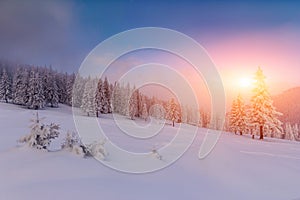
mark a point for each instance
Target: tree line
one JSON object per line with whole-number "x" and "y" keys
{"x": 36, "y": 87}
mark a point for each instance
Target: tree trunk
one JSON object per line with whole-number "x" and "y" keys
{"x": 241, "y": 133}
{"x": 261, "y": 133}
{"x": 173, "y": 123}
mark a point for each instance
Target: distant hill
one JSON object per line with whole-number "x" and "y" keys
{"x": 288, "y": 103}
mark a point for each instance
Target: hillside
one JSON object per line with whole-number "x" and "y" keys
{"x": 238, "y": 167}
{"x": 288, "y": 103}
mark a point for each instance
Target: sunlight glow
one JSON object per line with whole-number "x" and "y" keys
{"x": 245, "y": 82}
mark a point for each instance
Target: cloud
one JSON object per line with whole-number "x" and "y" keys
{"x": 35, "y": 31}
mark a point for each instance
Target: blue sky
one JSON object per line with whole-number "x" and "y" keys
{"x": 61, "y": 33}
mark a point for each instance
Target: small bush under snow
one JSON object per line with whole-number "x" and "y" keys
{"x": 40, "y": 135}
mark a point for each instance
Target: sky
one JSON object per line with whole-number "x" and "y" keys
{"x": 239, "y": 36}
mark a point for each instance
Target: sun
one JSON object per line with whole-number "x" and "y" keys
{"x": 245, "y": 82}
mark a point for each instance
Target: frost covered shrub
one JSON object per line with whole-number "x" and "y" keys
{"x": 156, "y": 154}
{"x": 73, "y": 144}
{"x": 40, "y": 135}
{"x": 97, "y": 150}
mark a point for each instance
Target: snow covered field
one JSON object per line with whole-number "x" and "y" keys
{"x": 238, "y": 167}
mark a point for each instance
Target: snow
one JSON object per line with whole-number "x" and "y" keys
{"x": 237, "y": 168}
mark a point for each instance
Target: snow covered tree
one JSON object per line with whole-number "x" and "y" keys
{"x": 116, "y": 99}
{"x": 133, "y": 104}
{"x": 99, "y": 98}
{"x": 172, "y": 111}
{"x": 36, "y": 99}
{"x": 69, "y": 87}
{"x": 144, "y": 112}
{"x": 25, "y": 87}
{"x": 125, "y": 97}
{"x": 184, "y": 114}
{"x": 288, "y": 132}
{"x": 238, "y": 118}
{"x": 73, "y": 144}
{"x": 106, "y": 97}
{"x": 5, "y": 87}
{"x": 140, "y": 103}
{"x": 232, "y": 117}
{"x": 296, "y": 131}
{"x": 262, "y": 113}
{"x": 89, "y": 95}
{"x": 61, "y": 81}
{"x": 40, "y": 135}
{"x": 205, "y": 118}
{"x": 194, "y": 118}
{"x": 51, "y": 90}
{"x": 19, "y": 87}
{"x": 78, "y": 91}
{"x": 97, "y": 149}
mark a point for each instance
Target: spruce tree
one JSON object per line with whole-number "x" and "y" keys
{"x": 36, "y": 99}
{"x": 144, "y": 112}
{"x": 18, "y": 87}
{"x": 263, "y": 114}
{"x": 116, "y": 99}
{"x": 125, "y": 96}
{"x": 238, "y": 118}
{"x": 133, "y": 104}
{"x": 99, "y": 98}
{"x": 78, "y": 91}
{"x": 88, "y": 99}
{"x": 5, "y": 87}
{"x": 106, "y": 97}
{"x": 51, "y": 90}
{"x": 172, "y": 111}
{"x": 70, "y": 84}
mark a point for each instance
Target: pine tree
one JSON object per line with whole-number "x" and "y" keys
{"x": 133, "y": 104}
{"x": 106, "y": 97}
{"x": 25, "y": 85}
{"x": 5, "y": 87}
{"x": 116, "y": 99}
{"x": 289, "y": 133}
{"x": 73, "y": 144}
{"x": 205, "y": 118}
{"x": 78, "y": 91}
{"x": 263, "y": 114}
{"x": 99, "y": 98}
{"x": 125, "y": 97}
{"x": 172, "y": 111}
{"x": 88, "y": 99}
{"x": 36, "y": 99}
{"x": 296, "y": 131}
{"x": 40, "y": 135}
{"x": 61, "y": 81}
{"x": 238, "y": 118}
{"x": 140, "y": 103}
{"x": 19, "y": 87}
{"x": 144, "y": 112}
{"x": 70, "y": 84}
{"x": 184, "y": 114}
{"x": 51, "y": 90}
{"x": 195, "y": 117}
{"x": 232, "y": 117}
